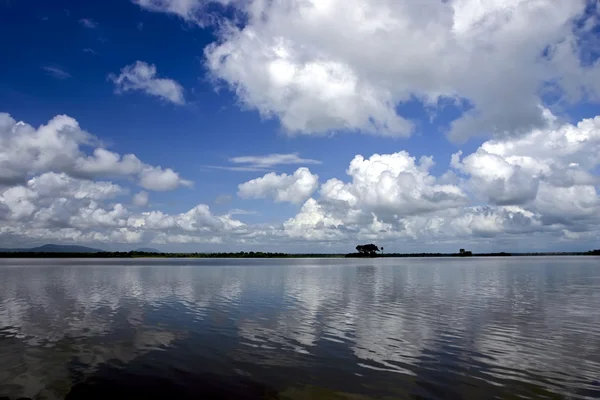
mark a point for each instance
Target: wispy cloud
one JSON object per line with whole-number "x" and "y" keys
{"x": 140, "y": 26}
{"x": 56, "y": 72}
{"x": 223, "y": 199}
{"x": 263, "y": 163}
{"x": 88, "y": 23}
{"x": 271, "y": 160}
{"x": 238, "y": 211}
{"x": 89, "y": 51}
{"x": 189, "y": 10}
{"x": 143, "y": 76}
{"x": 242, "y": 169}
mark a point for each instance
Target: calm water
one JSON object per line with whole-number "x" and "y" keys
{"x": 300, "y": 329}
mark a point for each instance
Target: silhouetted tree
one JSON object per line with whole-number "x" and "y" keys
{"x": 367, "y": 249}
{"x": 465, "y": 253}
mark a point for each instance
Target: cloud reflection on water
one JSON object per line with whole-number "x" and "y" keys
{"x": 501, "y": 321}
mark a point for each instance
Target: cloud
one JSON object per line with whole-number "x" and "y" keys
{"x": 156, "y": 178}
{"x": 538, "y": 185}
{"x": 197, "y": 220}
{"x": 238, "y": 169}
{"x": 186, "y": 9}
{"x": 500, "y": 181}
{"x": 61, "y": 208}
{"x": 54, "y": 200}
{"x": 140, "y": 26}
{"x": 89, "y": 51}
{"x": 313, "y": 223}
{"x": 88, "y": 23}
{"x": 543, "y": 165}
{"x": 294, "y": 188}
{"x": 60, "y": 146}
{"x": 263, "y": 163}
{"x": 141, "y": 199}
{"x": 345, "y": 65}
{"x": 56, "y": 72}
{"x": 530, "y": 191}
{"x": 272, "y": 160}
{"x": 465, "y": 225}
{"x": 189, "y": 10}
{"x": 384, "y": 192}
{"x": 392, "y": 185}
{"x": 237, "y": 211}
{"x": 223, "y": 199}
{"x": 143, "y": 76}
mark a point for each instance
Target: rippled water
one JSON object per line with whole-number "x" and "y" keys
{"x": 300, "y": 329}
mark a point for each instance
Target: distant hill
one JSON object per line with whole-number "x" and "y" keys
{"x": 54, "y": 248}
{"x": 148, "y": 250}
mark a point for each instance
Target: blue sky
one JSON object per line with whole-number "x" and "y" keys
{"x": 316, "y": 85}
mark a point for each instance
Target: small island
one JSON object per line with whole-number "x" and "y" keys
{"x": 373, "y": 251}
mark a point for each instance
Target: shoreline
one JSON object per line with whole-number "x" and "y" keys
{"x": 260, "y": 255}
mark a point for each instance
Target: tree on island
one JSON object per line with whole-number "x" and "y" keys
{"x": 367, "y": 249}
{"x": 465, "y": 253}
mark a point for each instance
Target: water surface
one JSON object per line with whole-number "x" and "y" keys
{"x": 300, "y": 329}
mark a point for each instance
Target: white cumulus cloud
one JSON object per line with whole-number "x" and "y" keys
{"x": 332, "y": 65}
{"x": 293, "y": 188}
{"x": 60, "y": 146}
{"x": 391, "y": 185}
{"x": 57, "y": 207}
{"x": 542, "y": 168}
{"x": 527, "y": 189}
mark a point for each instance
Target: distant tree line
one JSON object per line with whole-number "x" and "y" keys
{"x": 368, "y": 250}
{"x": 143, "y": 254}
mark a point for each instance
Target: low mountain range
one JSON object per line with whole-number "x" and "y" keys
{"x": 58, "y": 248}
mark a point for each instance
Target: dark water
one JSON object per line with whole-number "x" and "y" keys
{"x": 300, "y": 329}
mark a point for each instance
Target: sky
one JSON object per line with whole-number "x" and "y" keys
{"x": 300, "y": 126}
